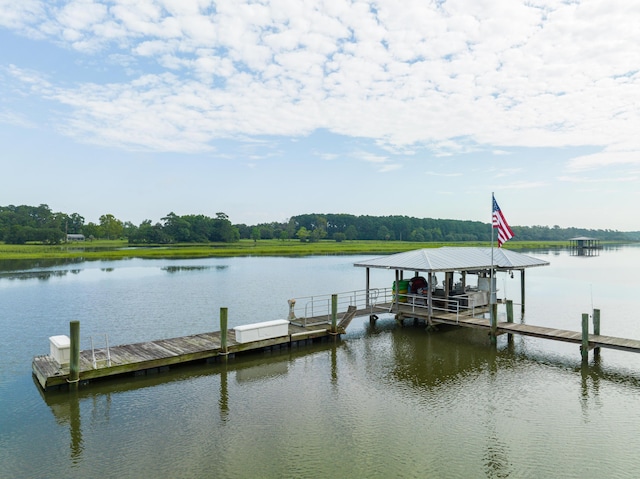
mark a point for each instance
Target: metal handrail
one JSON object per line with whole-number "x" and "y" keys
{"x": 449, "y": 302}
{"x": 107, "y": 350}
{"x": 320, "y": 306}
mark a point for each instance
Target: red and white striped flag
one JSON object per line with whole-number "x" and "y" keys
{"x": 504, "y": 230}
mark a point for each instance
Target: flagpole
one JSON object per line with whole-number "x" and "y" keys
{"x": 491, "y": 292}
{"x": 492, "y": 295}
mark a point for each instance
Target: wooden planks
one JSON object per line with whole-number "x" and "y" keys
{"x": 128, "y": 358}
{"x": 575, "y": 337}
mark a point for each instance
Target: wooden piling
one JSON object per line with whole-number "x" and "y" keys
{"x": 223, "y": 331}
{"x": 494, "y": 323}
{"x": 74, "y": 353}
{"x": 334, "y": 312}
{"x": 584, "y": 349}
{"x": 510, "y": 318}
{"x": 596, "y": 329}
{"x": 509, "y": 311}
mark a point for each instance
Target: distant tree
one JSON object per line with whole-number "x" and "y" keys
{"x": 25, "y": 234}
{"x": 384, "y": 233}
{"x": 110, "y": 227}
{"x": 255, "y": 234}
{"x": 351, "y": 233}
{"x": 147, "y": 233}
{"x": 284, "y": 235}
{"x": 176, "y": 228}
{"x": 303, "y": 234}
{"x": 339, "y": 237}
{"x": 91, "y": 230}
{"x": 128, "y": 228}
{"x": 224, "y": 230}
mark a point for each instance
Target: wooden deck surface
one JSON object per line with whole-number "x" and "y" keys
{"x": 131, "y": 358}
{"x": 466, "y": 319}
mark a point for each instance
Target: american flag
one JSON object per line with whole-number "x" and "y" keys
{"x": 504, "y": 230}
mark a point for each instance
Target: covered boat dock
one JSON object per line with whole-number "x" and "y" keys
{"x": 434, "y": 283}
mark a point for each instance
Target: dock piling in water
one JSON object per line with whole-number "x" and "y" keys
{"x": 584, "y": 349}
{"x": 596, "y": 329}
{"x": 74, "y": 351}
{"x": 510, "y": 318}
{"x": 494, "y": 323}
{"x": 334, "y": 313}
{"x": 224, "y": 313}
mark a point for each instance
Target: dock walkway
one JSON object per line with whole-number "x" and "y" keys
{"x": 469, "y": 320}
{"x": 161, "y": 354}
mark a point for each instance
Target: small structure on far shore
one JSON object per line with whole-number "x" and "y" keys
{"x": 585, "y": 246}
{"x": 75, "y": 237}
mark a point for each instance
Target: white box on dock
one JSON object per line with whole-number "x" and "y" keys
{"x": 248, "y": 333}
{"x": 60, "y": 349}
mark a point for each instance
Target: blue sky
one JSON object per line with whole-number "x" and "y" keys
{"x": 267, "y": 109}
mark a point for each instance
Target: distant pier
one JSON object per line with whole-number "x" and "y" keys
{"x": 584, "y": 246}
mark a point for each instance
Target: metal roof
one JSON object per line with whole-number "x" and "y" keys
{"x": 451, "y": 258}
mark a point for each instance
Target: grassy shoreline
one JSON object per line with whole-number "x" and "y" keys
{"x": 120, "y": 249}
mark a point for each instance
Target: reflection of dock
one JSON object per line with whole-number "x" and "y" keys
{"x": 154, "y": 356}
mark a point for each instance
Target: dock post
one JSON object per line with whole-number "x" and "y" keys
{"x": 494, "y": 323}
{"x": 522, "y": 290}
{"x": 223, "y": 331}
{"x": 510, "y": 317}
{"x": 74, "y": 353}
{"x": 596, "y": 329}
{"x": 584, "y": 349}
{"x": 334, "y": 314}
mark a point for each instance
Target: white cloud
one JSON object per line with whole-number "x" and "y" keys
{"x": 450, "y": 76}
{"x": 15, "y": 118}
{"x": 448, "y": 175}
{"x": 604, "y": 159}
{"x": 598, "y": 179}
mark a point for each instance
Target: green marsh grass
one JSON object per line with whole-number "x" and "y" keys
{"x": 119, "y": 249}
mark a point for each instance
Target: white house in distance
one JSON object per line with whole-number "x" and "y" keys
{"x": 75, "y": 237}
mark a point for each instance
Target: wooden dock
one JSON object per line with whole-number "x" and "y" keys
{"x": 467, "y": 319}
{"x": 161, "y": 354}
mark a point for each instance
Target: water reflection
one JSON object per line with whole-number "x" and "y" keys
{"x": 183, "y": 268}
{"x": 426, "y": 360}
{"x": 66, "y": 405}
{"x": 223, "y": 401}
{"x": 39, "y": 275}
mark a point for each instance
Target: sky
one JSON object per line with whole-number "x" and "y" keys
{"x": 264, "y": 110}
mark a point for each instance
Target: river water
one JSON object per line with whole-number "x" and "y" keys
{"x": 384, "y": 401}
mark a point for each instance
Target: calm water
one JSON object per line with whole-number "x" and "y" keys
{"x": 383, "y": 402}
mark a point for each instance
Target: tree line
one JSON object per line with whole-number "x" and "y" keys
{"x": 23, "y": 224}
{"x": 340, "y": 227}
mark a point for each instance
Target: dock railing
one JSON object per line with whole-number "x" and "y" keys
{"x": 96, "y": 352}
{"x": 314, "y": 310}
{"x": 457, "y": 304}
